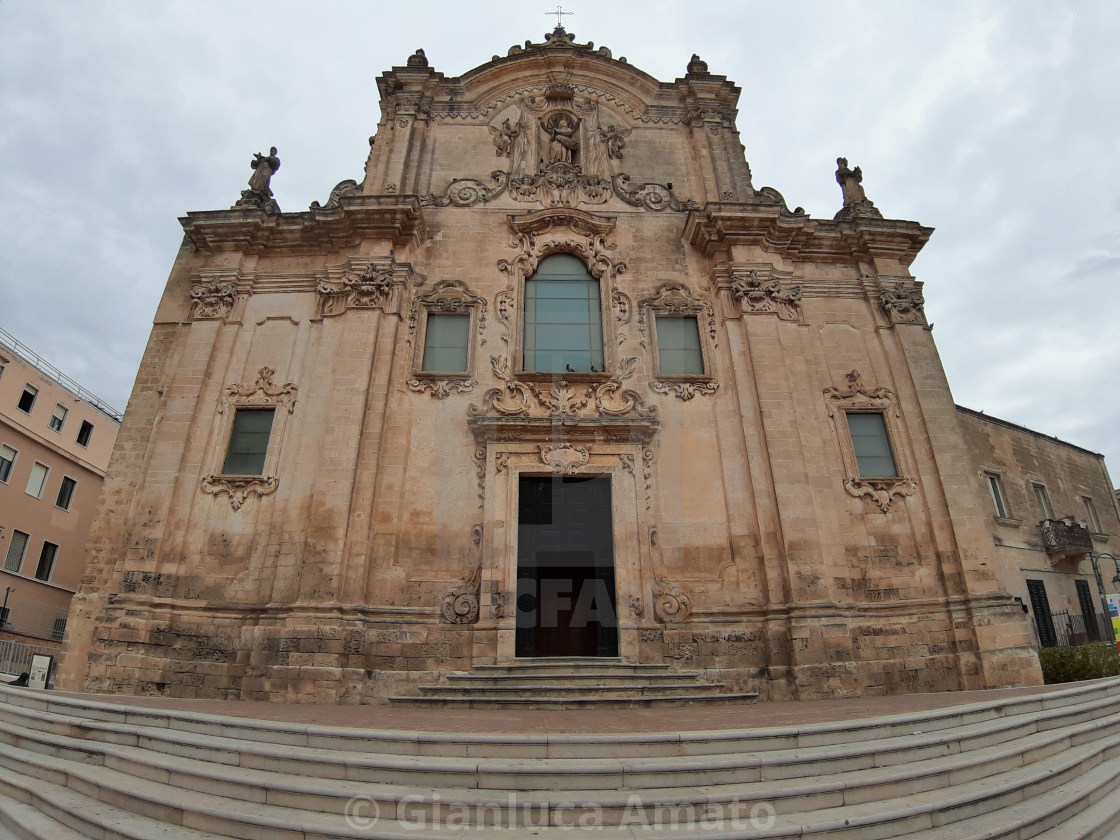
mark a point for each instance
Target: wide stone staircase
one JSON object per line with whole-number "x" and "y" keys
{"x": 1044, "y": 765}
{"x": 572, "y": 683}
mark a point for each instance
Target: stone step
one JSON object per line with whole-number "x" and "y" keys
{"x": 957, "y": 751}
{"x": 64, "y": 813}
{"x": 22, "y": 821}
{"x": 581, "y": 679}
{"x": 514, "y": 688}
{"x": 275, "y": 819}
{"x": 66, "y": 711}
{"x": 631, "y": 701}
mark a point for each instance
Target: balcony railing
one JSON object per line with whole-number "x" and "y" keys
{"x": 1066, "y": 538}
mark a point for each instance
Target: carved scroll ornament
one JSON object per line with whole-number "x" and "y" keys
{"x": 670, "y": 602}
{"x": 239, "y": 488}
{"x": 880, "y": 490}
{"x": 565, "y": 459}
{"x": 460, "y": 604}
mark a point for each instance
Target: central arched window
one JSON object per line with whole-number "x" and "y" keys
{"x": 563, "y": 318}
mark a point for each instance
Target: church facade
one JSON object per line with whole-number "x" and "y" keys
{"x": 554, "y": 379}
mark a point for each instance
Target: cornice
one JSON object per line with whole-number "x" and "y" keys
{"x": 356, "y": 217}
{"x": 774, "y": 229}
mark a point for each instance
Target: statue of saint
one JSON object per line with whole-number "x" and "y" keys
{"x": 263, "y": 167}
{"x": 850, "y": 181}
{"x": 564, "y": 142}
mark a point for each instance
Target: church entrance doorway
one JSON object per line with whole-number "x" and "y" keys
{"x": 566, "y": 602}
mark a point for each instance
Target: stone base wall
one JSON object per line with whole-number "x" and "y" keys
{"x": 304, "y": 657}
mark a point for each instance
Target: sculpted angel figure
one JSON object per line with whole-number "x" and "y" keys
{"x": 504, "y": 136}
{"x": 564, "y": 142}
{"x": 263, "y": 167}
{"x": 615, "y": 138}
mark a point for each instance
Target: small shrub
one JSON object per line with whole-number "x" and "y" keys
{"x": 1085, "y": 662}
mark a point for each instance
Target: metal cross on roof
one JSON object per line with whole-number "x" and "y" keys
{"x": 559, "y": 16}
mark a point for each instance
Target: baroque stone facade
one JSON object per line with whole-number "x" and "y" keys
{"x": 382, "y": 538}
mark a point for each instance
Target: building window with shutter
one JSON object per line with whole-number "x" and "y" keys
{"x": 58, "y": 417}
{"x": 46, "y": 561}
{"x": 16, "y": 547}
{"x": 65, "y": 493}
{"x": 7, "y": 460}
{"x": 37, "y": 479}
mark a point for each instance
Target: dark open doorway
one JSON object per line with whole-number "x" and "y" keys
{"x": 566, "y": 603}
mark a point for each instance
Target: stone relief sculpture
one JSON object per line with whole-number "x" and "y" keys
{"x": 558, "y": 159}
{"x": 759, "y": 294}
{"x": 904, "y": 303}
{"x": 615, "y": 140}
{"x": 212, "y": 299}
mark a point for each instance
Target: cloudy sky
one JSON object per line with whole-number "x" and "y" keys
{"x": 996, "y": 123}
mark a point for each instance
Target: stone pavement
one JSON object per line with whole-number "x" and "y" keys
{"x": 668, "y": 719}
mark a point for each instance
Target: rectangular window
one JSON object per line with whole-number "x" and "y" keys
{"x": 58, "y": 629}
{"x": 678, "y": 346}
{"x": 46, "y": 561}
{"x": 58, "y": 417}
{"x": 1043, "y": 498}
{"x": 995, "y": 487}
{"x": 66, "y": 493}
{"x": 5, "y": 614}
{"x": 871, "y": 445}
{"x": 248, "y": 441}
{"x": 1091, "y": 515}
{"x": 16, "y": 547}
{"x": 7, "y": 458}
{"x": 27, "y": 398}
{"x": 84, "y": 433}
{"x": 445, "y": 343}
{"x": 37, "y": 479}
{"x": 563, "y": 321}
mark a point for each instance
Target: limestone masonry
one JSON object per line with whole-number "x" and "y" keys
{"x": 554, "y": 378}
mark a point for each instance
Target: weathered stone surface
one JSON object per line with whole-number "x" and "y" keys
{"x": 378, "y": 551}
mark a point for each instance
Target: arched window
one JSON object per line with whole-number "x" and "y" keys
{"x": 563, "y": 319}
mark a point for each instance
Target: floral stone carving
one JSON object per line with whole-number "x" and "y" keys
{"x": 904, "y": 303}
{"x": 766, "y": 294}
{"x": 212, "y": 299}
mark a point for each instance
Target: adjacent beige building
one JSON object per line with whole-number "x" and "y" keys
{"x": 553, "y": 378}
{"x": 1051, "y": 512}
{"x": 55, "y": 442}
